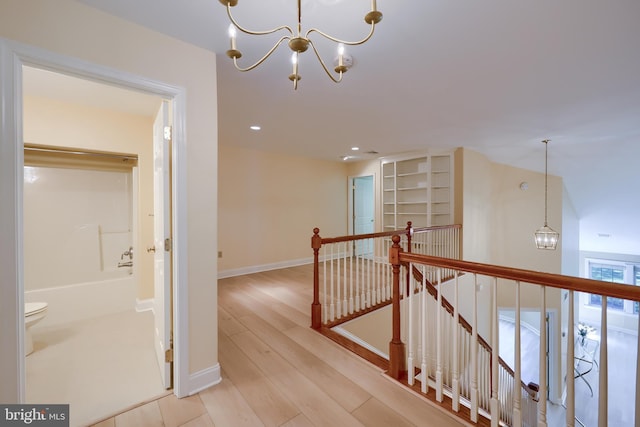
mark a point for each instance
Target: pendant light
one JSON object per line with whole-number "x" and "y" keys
{"x": 546, "y": 237}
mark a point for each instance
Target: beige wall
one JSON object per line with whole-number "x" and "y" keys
{"x": 477, "y": 208}
{"x": 69, "y": 28}
{"x": 269, "y": 205}
{"x": 373, "y": 328}
{"x": 90, "y": 128}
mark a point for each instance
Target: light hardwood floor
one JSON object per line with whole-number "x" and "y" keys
{"x": 276, "y": 371}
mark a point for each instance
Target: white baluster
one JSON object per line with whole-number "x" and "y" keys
{"x": 338, "y": 299}
{"x": 542, "y": 403}
{"x": 603, "y": 380}
{"x": 356, "y": 274}
{"x": 345, "y": 293}
{"x": 495, "y": 356}
{"x": 351, "y": 306}
{"x": 571, "y": 384}
{"x": 474, "y": 353}
{"x": 638, "y": 376}
{"x": 424, "y": 374}
{"x": 325, "y": 307}
{"x": 331, "y": 285}
{"x": 517, "y": 376}
{"x": 365, "y": 291}
{"x": 372, "y": 293}
{"x": 372, "y": 278}
{"x": 455, "y": 384}
{"x": 439, "y": 344}
{"x": 376, "y": 266}
{"x": 410, "y": 367}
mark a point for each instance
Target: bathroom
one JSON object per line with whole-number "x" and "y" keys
{"x": 88, "y": 220}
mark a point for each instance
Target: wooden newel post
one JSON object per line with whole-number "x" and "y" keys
{"x": 316, "y": 308}
{"x": 409, "y": 231}
{"x": 397, "y": 360}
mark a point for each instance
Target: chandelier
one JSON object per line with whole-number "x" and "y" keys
{"x": 299, "y": 43}
{"x": 546, "y": 237}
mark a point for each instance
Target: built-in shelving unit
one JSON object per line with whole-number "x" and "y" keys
{"x": 417, "y": 189}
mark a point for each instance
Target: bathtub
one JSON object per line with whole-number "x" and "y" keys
{"x": 81, "y": 301}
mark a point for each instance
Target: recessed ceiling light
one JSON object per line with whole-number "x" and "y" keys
{"x": 605, "y": 235}
{"x": 254, "y": 127}
{"x": 355, "y": 148}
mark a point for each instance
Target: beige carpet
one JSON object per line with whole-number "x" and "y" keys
{"x": 99, "y": 366}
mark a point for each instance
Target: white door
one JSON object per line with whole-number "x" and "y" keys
{"x": 162, "y": 242}
{"x": 363, "y": 212}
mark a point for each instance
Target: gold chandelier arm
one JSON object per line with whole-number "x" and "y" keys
{"x": 261, "y": 60}
{"x": 327, "y": 36}
{"x": 255, "y": 33}
{"x": 326, "y": 70}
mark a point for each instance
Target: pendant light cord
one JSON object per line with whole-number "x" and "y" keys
{"x": 546, "y": 145}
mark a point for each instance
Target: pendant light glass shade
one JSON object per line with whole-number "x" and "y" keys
{"x": 546, "y": 237}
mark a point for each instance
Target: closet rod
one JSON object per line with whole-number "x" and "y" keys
{"x": 80, "y": 153}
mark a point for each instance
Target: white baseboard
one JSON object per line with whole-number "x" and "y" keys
{"x": 264, "y": 267}
{"x": 204, "y": 379}
{"x": 144, "y": 305}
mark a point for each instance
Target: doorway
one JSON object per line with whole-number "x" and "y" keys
{"x": 362, "y": 207}
{"x": 109, "y": 216}
{"x": 14, "y": 57}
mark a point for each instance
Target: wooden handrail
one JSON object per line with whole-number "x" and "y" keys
{"x": 559, "y": 281}
{"x": 327, "y": 240}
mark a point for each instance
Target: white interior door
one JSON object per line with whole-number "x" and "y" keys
{"x": 162, "y": 242}
{"x": 363, "y": 212}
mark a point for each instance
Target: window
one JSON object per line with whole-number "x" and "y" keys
{"x": 615, "y": 272}
{"x": 607, "y": 273}
{"x": 636, "y": 281}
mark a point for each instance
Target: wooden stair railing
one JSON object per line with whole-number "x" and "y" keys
{"x": 433, "y": 291}
{"x": 419, "y": 244}
{"x": 515, "y": 277}
{"x": 445, "y": 244}
{"x": 530, "y": 389}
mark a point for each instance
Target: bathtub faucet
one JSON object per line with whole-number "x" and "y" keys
{"x": 125, "y": 264}
{"x": 128, "y": 253}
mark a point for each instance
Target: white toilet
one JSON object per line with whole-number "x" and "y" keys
{"x": 33, "y": 313}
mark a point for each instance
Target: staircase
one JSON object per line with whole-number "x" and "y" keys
{"x": 438, "y": 313}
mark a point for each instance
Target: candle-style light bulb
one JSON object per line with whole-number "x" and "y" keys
{"x": 232, "y": 36}
{"x": 340, "y": 54}
{"x": 294, "y": 58}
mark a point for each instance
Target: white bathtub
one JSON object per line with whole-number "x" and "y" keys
{"x": 82, "y": 301}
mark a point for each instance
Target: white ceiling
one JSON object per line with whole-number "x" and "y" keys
{"x": 495, "y": 76}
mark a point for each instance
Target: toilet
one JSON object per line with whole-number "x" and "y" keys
{"x": 33, "y": 313}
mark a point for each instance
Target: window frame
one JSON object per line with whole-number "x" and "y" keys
{"x": 631, "y": 276}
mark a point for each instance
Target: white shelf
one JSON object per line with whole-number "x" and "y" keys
{"x": 417, "y": 189}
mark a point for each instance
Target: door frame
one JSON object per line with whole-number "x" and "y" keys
{"x": 13, "y": 56}
{"x": 350, "y": 202}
